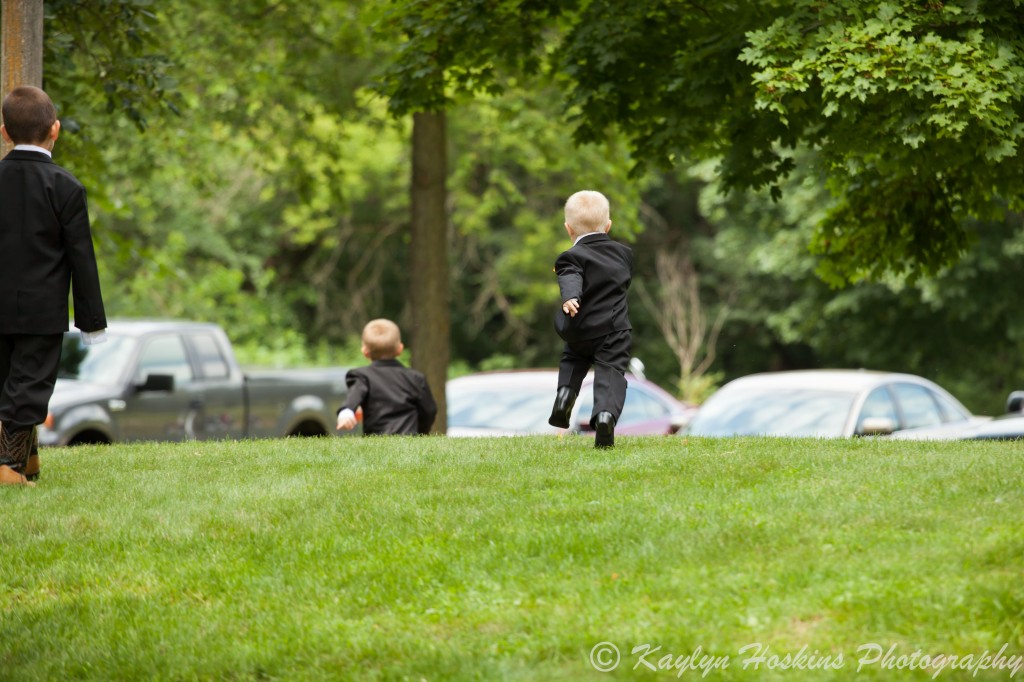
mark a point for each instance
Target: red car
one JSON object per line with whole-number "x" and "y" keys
{"x": 518, "y": 402}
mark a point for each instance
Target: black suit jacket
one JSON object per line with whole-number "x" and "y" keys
{"x": 598, "y": 272}
{"x": 45, "y": 249}
{"x": 395, "y": 399}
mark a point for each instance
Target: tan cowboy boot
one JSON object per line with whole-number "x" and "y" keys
{"x": 9, "y": 476}
{"x": 15, "y": 448}
{"x": 32, "y": 465}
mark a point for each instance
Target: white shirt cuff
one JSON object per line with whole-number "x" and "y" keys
{"x": 91, "y": 338}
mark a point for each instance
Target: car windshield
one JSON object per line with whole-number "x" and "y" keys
{"x": 521, "y": 408}
{"x": 773, "y": 412}
{"x": 101, "y": 363}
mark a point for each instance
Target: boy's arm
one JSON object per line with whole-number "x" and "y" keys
{"x": 85, "y": 279}
{"x": 358, "y": 387}
{"x": 346, "y": 420}
{"x": 570, "y": 281}
{"x": 426, "y": 408}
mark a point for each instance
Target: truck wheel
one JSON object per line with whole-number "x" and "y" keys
{"x": 308, "y": 429}
{"x": 89, "y": 438}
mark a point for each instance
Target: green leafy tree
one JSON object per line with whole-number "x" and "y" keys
{"x": 915, "y": 108}
{"x": 109, "y": 56}
{"x": 278, "y": 201}
{"x": 447, "y": 46}
{"x": 956, "y": 327}
{"x": 104, "y": 61}
{"x": 277, "y": 174}
{"x": 512, "y": 171}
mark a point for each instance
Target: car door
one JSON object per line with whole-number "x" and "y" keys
{"x": 159, "y": 414}
{"x": 879, "y": 405}
{"x": 217, "y": 409}
{"x": 642, "y": 413}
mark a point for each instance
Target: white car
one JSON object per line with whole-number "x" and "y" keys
{"x": 827, "y": 404}
{"x": 518, "y": 402}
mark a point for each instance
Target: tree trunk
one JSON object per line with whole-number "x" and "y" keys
{"x": 429, "y": 293}
{"x": 22, "y": 46}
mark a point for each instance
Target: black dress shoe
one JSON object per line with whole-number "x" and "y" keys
{"x": 562, "y": 409}
{"x": 604, "y": 426}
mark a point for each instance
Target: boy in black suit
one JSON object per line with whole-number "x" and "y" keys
{"x": 395, "y": 399}
{"x": 45, "y": 252}
{"x": 594, "y": 278}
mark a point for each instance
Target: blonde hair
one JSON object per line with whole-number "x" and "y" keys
{"x": 382, "y": 339}
{"x": 587, "y": 211}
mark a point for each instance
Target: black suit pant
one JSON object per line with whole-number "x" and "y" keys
{"x": 28, "y": 371}
{"x": 609, "y": 356}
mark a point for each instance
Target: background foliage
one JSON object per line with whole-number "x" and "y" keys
{"x": 245, "y": 166}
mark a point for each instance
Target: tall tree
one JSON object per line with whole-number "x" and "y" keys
{"x": 22, "y": 43}
{"x": 279, "y": 203}
{"x": 914, "y": 107}
{"x": 429, "y": 278}
{"x": 457, "y": 54}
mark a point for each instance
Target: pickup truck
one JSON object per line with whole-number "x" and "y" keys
{"x": 172, "y": 381}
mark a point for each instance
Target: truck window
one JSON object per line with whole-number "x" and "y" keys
{"x": 103, "y": 363}
{"x": 165, "y": 355}
{"x": 211, "y": 362}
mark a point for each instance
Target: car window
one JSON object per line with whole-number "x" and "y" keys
{"x": 508, "y": 409}
{"x": 878, "y": 405}
{"x": 773, "y": 411}
{"x": 585, "y": 404}
{"x": 164, "y": 355}
{"x": 211, "y": 362}
{"x": 917, "y": 405}
{"x": 641, "y": 406}
{"x": 951, "y": 411}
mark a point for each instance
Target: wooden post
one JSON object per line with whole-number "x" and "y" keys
{"x": 21, "y": 42}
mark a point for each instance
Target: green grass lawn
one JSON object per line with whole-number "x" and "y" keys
{"x": 438, "y": 559}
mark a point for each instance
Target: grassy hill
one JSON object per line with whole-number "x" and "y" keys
{"x": 516, "y": 558}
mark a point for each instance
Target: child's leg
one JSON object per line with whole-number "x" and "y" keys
{"x": 31, "y": 471}
{"x": 28, "y": 372}
{"x": 611, "y": 360}
{"x": 15, "y": 447}
{"x": 572, "y": 369}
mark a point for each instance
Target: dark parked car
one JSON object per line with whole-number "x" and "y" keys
{"x": 519, "y": 402}
{"x": 827, "y": 404}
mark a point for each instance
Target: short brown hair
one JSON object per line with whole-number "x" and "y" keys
{"x": 382, "y": 339}
{"x": 28, "y": 115}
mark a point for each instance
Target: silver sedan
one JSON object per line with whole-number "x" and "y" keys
{"x": 827, "y": 404}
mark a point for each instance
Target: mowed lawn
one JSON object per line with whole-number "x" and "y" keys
{"x": 516, "y": 558}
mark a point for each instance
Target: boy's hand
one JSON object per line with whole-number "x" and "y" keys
{"x": 346, "y": 420}
{"x": 571, "y": 307}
